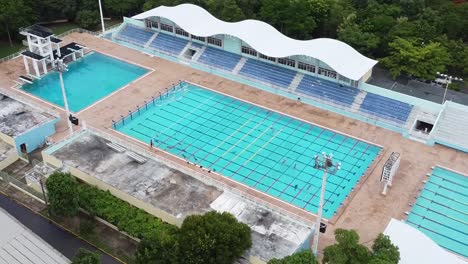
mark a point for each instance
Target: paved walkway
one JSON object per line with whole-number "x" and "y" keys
{"x": 61, "y": 240}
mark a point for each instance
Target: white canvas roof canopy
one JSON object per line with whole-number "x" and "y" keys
{"x": 266, "y": 39}
{"x": 416, "y": 247}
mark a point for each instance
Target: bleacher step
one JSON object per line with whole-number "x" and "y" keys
{"x": 296, "y": 81}
{"x": 150, "y": 40}
{"x": 239, "y": 65}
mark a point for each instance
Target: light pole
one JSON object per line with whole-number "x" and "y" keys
{"x": 102, "y": 17}
{"x": 61, "y": 67}
{"x": 448, "y": 79}
{"x": 325, "y": 163}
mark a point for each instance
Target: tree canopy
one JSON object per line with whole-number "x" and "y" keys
{"x": 302, "y": 257}
{"x": 62, "y": 191}
{"x": 84, "y": 256}
{"x": 213, "y": 238}
{"x": 347, "y": 250}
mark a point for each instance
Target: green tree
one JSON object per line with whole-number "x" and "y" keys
{"x": 347, "y": 250}
{"x": 122, "y": 7}
{"x": 296, "y": 19}
{"x": 227, "y": 10}
{"x": 383, "y": 251}
{"x": 353, "y": 34}
{"x": 160, "y": 249}
{"x": 15, "y": 14}
{"x": 302, "y": 257}
{"x": 84, "y": 256}
{"x": 213, "y": 238}
{"x": 87, "y": 18}
{"x": 62, "y": 190}
{"x": 417, "y": 59}
{"x": 57, "y": 9}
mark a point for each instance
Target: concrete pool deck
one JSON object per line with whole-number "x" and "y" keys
{"x": 366, "y": 210}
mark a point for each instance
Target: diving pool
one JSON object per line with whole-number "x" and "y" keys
{"x": 441, "y": 210}
{"x": 260, "y": 148}
{"x": 87, "y": 80}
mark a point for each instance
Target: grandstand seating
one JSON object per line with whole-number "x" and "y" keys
{"x": 169, "y": 44}
{"x": 267, "y": 72}
{"x": 385, "y": 107}
{"x": 135, "y": 35}
{"x": 325, "y": 89}
{"x": 452, "y": 126}
{"x": 219, "y": 58}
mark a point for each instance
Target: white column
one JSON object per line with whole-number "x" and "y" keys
{"x": 59, "y": 54}
{"x": 44, "y": 66}
{"x": 36, "y": 68}
{"x": 41, "y": 50}
{"x": 82, "y": 52}
{"x": 74, "y": 56}
{"x": 26, "y": 64}
{"x": 29, "y": 42}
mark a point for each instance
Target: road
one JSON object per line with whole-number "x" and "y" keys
{"x": 63, "y": 241}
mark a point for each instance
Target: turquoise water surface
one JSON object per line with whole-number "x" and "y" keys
{"x": 265, "y": 150}
{"x": 87, "y": 80}
{"x": 441, "y": 210}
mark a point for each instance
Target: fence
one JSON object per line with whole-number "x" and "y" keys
{"x": 173, "y": 91}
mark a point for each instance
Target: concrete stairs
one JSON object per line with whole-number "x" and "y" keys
{"x": 239, "y": 65}
{"x": 150, "y": 40}
{"x": 358, "y": 101}
{"x": 295, "y": 82}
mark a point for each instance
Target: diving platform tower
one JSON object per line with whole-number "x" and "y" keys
{"x": 44, "y": 48}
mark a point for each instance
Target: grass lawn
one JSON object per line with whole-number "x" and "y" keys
{"x": 6, "y": 50}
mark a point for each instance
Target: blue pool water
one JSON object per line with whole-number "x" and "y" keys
{"x": 441, "y": 210}
{"x": 88, "y": 80}
{"x": 265, "y": 150}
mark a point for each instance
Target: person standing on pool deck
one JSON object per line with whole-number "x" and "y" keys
{"x": 151, "y": 143}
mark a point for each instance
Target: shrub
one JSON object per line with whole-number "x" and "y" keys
{"x": 302, "y": 257}
{"x": 86, "y": 227}
{"x": 216, "y": 238}
{"x": 84, "y": 256}
{"x": 163, "y": 249}
{"x": 62, "y": 190}
{"x": 126, "y": 217}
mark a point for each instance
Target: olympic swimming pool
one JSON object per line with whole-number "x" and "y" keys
{"x": 87, "y": 80}
{"x": 441, "y": 210}
{"x": 260, "y": 148}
